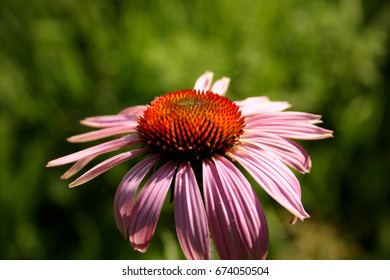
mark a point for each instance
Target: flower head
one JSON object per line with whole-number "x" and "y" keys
{"x": 191, "y": 142}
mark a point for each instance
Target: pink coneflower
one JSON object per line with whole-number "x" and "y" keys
{"x": 191, "y": 142}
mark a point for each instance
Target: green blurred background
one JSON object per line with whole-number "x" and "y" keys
{"x": 64, "y": 60}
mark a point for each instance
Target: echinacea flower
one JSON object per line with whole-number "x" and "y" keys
{"x": 191, "y": 142}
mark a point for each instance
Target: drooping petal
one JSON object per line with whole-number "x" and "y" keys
{"x": 190, "y": 215}
{"x": 203, "y": 83}
{"x": 127, "y": 188}
{"x": 148, "y": 206}
{"x": 125, "y": 141}
{"x": 127, "y": 127}
{"x": 106, "y": 165}
{"x": 220, "y": 86}
{"x": 77, "y": 167}
{"x": 248, "y": 213}
{"x": 273, "y": 176}
{"x": 258, "y": 105}
{"x": 221, "y": 218}
{"x": 283, "y": 149}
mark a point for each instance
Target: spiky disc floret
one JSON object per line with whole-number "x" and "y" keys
{"x": 191, "y": 124}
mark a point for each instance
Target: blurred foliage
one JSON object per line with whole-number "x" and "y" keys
{"x": 62, "y": 61}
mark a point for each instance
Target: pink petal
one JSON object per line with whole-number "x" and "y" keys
{"x": 125, "y": 193}
{"x": 221, "y": 219}
{"x": 148, "y": 206}
{"x": 134, "y": 111}
{"x": 289, "y": 116}
{"x": 296, "y": 131}
{"x": 252, "y": 100}
{"x": 106, "y": 165}
{"x": 283, "y": 149}
{"x": 127, "y": 127}
{"x": 248, "y": 213}
{"x": 289, "y": 124}
{"x": 129, "y": 114}
{"x": 108, "y": 121}
{"x": 203, "y": 83}
{"x": 126, "y": 141}
{"x": 273, "y": 176}
{"x": 190, "y": 215}
{"x": 221, "y": 86}
{"x": 77, "y": 167}
{"x": 258, "y": 105}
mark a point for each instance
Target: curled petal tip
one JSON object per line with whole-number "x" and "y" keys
{"x": 293, "y": 220}
{"x": 141, "y": 250}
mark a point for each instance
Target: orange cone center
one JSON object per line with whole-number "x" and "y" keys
{"x": 191, "y": 124}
